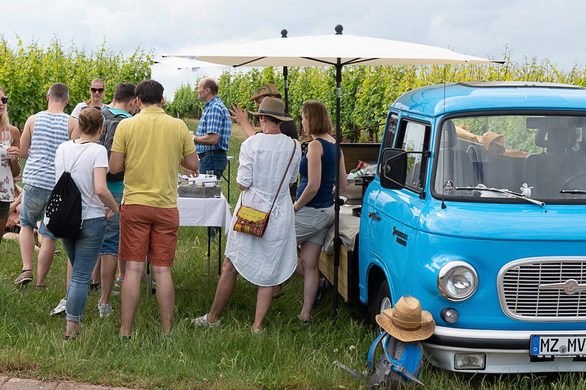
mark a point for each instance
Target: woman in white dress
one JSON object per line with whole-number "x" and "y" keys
{"x": 270, "y": 260}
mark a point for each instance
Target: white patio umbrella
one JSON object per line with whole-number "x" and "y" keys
{"x": 335, "y": 50}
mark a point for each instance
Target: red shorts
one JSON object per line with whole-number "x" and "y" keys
{"x": 148, "y": 231}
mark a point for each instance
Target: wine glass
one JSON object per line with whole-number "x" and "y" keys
{"x": 5, "y": 139}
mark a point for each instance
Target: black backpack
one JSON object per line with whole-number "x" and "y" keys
{"x": 107, "y": 138}
{"x": 63, "y": 213}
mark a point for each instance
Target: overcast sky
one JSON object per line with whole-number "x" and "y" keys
{"x": 531, "y": 28}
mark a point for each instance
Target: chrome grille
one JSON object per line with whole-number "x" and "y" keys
{"x": 544, "y": 289}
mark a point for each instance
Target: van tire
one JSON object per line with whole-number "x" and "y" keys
{"x": 382, "y": 301}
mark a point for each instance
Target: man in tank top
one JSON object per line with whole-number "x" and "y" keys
{"x": 43, "y": 133}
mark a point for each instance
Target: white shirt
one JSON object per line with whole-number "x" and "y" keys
{"x": 94, "y": 156}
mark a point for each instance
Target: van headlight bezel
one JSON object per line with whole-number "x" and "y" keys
{"x": 452, "y": 273}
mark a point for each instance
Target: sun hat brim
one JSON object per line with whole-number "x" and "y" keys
{"x": 422, "y": 331}
{"x": 276, "y": 115}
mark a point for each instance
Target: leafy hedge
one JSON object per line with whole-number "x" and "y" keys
{"x": 27, "y": 72}
{"x": 366, "y": 92}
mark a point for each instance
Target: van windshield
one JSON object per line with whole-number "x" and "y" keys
{"x": 511, "y": 157}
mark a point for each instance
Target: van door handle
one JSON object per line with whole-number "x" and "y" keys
{"x": 373, "y": 216}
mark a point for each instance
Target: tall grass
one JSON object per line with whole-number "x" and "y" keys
{"x": 288, "y": 355}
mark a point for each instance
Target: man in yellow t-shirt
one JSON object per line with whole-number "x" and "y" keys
{"x": 150, "y": 147}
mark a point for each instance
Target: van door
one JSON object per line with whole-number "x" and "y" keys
{"x": 394, "y": 215}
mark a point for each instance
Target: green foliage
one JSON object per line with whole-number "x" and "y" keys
{"x": 367, "y": 92}
{"x": 28, "y": 71}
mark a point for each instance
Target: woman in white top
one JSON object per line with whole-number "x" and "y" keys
{"x": 270, "y": 260}
{"x": 88, "y": 163}
{"x": 9, "y": 160}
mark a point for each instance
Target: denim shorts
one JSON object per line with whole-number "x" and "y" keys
{"x": 312, "y": 224}
{"x": 34, "y": 200}
{"x": 112, "y": 235}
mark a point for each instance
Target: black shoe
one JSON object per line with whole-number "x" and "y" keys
{"x": 324, "y": 287}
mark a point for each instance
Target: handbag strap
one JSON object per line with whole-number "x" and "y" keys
{"x": 284, "y": 174}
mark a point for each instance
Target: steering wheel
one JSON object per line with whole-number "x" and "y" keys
{"x": 572, "y": 178}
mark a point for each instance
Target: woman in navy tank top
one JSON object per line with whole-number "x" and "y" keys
{"x": 314, "y": 207}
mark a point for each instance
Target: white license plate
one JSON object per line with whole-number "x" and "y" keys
{"x": 557, "y": 345}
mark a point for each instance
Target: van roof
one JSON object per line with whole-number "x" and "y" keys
{"x": 492, "y": 95}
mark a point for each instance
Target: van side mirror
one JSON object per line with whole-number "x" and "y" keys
{"x": 393, "y": 173}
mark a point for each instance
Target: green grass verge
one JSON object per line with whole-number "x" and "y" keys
{"x": 230, "y": 357}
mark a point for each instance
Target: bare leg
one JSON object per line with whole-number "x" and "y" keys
{"x": 309, "y": 257}
{"x": 27, "y": 247}
{"x": 130, "y": 295}
{"x": 69, "y": 271}
{"x": 109, "y": 263}
{"x": 121, "y": 268}
{"x": 224, "y": 291}
{"x": 46, "y": 254}
{"x": 97, "y": 273}
{"x": 263, "y": 302}
{"x": 165, "y": 296}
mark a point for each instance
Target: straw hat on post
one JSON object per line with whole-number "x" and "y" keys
{"x": 406, "y": 321}
{"x": 274, "y": 107}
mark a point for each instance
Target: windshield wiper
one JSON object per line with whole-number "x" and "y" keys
{"x": 573, "y": 192}
{"x": 502, "y": 191}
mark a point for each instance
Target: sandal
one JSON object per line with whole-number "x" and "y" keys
{"x": 306, "y": 323}
{"x": 41, "y": 287}
{"x": 203, "y": 321}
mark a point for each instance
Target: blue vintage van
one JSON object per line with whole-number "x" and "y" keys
{"x": 478, "y": 209}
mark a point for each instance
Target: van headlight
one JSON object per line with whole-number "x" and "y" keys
{"x": 457, "y": 280}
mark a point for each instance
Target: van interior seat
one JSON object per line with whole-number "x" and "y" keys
{"x": 547, "y": 171}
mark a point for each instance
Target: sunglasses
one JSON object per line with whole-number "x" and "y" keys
{"x": 99, "y": 90}
{"x": 4, "y": 99}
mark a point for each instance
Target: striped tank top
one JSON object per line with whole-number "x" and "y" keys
{"x": 49, "y": 131}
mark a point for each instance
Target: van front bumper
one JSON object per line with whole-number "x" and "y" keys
{"x": 504, "y": 351}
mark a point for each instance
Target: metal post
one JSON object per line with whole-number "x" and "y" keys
{"x": 285, "y": 75}
{"x": 337, "y": 183}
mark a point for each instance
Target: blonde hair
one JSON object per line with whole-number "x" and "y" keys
{"x": 4, "y": 122}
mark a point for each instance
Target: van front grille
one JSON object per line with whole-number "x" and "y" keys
{"x": 544, "y": 289}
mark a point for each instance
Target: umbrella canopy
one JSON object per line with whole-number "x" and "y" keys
{"x": 329, "y": 49}
{"x": 337, "y": 50}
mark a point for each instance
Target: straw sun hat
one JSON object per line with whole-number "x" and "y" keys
{"x": 272, "y": 107}
{"x": 406, "y": 321}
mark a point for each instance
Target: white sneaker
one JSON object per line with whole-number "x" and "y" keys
{"x": 203, "y": 321}
{"x": 60, "y": 308}
{"x": 105, "y": 310}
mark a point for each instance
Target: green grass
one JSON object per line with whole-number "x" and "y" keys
{"x": 286, "y": 356}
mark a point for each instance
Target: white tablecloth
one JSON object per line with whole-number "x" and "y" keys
{"x": 204, "y": 211}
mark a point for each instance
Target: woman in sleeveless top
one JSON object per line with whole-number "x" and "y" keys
{"x": 88, "y": 163}
{"x": 314, "y": 207}
{"x": 9, "y": 160}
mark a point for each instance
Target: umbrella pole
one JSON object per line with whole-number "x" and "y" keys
{"x": 337, "y": 183}
{"x": 285, "y": 74}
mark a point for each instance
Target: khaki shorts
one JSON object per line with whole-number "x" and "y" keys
{"x": 148, "y": 231}
{"x": 312, "y": 224}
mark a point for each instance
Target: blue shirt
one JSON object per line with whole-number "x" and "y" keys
{"x": 324, "y": 197}
{"x": 214, "y": 119}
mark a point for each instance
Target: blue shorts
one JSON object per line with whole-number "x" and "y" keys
{"x": 112, "y": 234}
{"x": 34, "y": 200}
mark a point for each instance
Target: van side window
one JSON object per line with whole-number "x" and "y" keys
{"x": 414, "y": 137}
{"x": 390, "y": 130}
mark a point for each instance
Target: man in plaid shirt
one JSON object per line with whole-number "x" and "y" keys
{"x": 214, "y": 129}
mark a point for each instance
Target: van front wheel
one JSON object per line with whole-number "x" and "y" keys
{"x": 382, "y": 301}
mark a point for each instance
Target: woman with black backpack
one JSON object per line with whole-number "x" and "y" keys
{"x": 87, "y": 161}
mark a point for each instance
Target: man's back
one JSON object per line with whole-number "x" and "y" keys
{"x": 49, "y": 131}
{"x": 153, "y": 144}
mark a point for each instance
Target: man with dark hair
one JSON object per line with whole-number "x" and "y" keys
{"x": 214, "y": 129}
{"x": 241, "y": 116}
{"x": 43, "y": 132}
{"x": 150, "y": 147}
{"x": 123, "y": 106}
